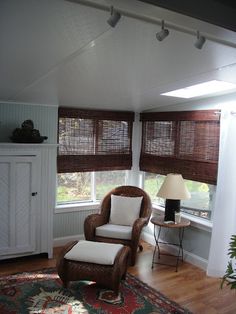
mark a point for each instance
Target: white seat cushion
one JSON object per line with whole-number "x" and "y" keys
{"x": 94, "y": 252}
{"x": 114, "y": 231}
{"x": 124, "y": 210}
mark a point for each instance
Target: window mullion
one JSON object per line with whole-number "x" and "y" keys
{"x": 93, "y": 186}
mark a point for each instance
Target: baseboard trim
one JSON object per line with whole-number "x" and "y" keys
{"x": 63, "y": 240}
{"x": 188, "y": 256}
{"x": 147, "y": 237}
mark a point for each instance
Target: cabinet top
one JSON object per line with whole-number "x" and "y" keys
{"x": 37, "y": 145}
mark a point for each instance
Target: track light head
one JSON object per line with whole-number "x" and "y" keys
{"x": 200, "y": 41}
{"x": 163, "y": 33}
{"x": 114, "y": 18}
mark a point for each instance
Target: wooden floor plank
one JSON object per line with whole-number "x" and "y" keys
{"x": 190, "y": 287}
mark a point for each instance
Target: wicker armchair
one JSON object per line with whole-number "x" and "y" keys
{"x": 95, "y": 220}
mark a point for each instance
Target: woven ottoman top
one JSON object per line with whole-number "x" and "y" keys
{"x": 94, "y": 252}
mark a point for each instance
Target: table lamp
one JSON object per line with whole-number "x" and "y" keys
{"x": 173, "y": 190}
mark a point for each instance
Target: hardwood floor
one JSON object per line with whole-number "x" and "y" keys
{"x": 190, "y": 287}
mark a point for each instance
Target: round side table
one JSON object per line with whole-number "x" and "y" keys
{"x": 159, "y": 223}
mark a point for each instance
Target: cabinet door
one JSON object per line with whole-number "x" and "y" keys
{"x": 17, "y": 205}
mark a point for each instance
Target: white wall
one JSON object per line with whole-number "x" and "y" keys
{"x": 196, "y": 240}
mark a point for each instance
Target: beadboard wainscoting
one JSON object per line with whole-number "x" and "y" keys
{"x": 13, "y": 114}
{"x": 69, "y": 226}
{"x": 188, "y": 256}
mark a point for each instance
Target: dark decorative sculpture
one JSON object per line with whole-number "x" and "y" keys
{"x": 27, "y": 134}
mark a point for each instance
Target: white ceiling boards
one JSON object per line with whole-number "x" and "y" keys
{"x": 63, "y": 53}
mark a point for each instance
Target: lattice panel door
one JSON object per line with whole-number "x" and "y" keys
{"x": 17, "y": 205}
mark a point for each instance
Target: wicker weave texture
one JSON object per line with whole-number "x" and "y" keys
{"x": 92, "y": 140}
{"x": 108, "y": 276}
{"x": 186, "y": 143}
{"x": 95, "y": 220}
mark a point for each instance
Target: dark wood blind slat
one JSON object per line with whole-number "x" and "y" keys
{"x": 182, "y": 143}
{"x": 92, "y": 140}
{"x": 95, "y": 114}
{"x": 93, "y": 163}
{"x": 198, "y": 115}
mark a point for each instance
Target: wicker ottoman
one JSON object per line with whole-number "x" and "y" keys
{"x": 104, "y": 263}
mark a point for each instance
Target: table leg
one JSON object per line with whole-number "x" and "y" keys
{"x": 156, "y": 237}
{"x": 180, "y": 251}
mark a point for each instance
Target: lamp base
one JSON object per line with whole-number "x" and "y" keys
{"x": 171, "y": 206}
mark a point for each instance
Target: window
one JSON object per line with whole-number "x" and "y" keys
{"x": 95, "y": 149}
{"x": 182, "y": 142}
{"x": 107, "y": 180}
{"x": 202, "y": 195}
{"x": 91, "y": 140}
{"x": 74, "y": 187}
{"x": 87, "y": 186}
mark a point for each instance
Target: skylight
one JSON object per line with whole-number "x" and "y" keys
{"x": 205, "y": 88}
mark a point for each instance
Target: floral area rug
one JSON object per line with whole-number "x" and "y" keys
{"x": 41, "y": 292}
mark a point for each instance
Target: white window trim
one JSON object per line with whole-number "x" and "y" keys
{"x": 87, "y": 206}
{"x": 93, "y": 186}
{"x": 77, "y": 206}
{"x": 196, "y": 222}
{"x": 91, "y": 204}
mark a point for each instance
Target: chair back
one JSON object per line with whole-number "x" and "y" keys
{"x": 128, "y": 191}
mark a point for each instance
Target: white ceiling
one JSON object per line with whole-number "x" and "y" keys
{"x": 57, "y": 52}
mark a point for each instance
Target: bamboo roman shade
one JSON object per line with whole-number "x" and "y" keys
{"x": 93, "y": 140}
{"x": 184, "y": 142}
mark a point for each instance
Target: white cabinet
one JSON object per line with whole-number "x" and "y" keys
{"x": 18, "y": 207}
{"x": 27, "y": 198}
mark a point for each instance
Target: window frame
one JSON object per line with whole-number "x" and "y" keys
{"x": 108, "y": 158}
{"x": 156, "y": 159}
{"x": 77, "y": 127}
{"x": 94, "y": 203}
{"x": 196, "y": 222}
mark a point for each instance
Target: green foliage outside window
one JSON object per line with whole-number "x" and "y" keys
{"x": 77, "y": 187}
{"x": 201, "y": 195}
{"x": 107, "y": 180}
{"x": 73, "y": 187}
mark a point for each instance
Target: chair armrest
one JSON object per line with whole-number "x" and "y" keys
{"x": 91, "y": 223}
{"x": 139, "y": 223}
{"x": 137, "y": 228}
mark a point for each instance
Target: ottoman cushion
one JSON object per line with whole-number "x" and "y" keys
{"x": 94, "y": 252}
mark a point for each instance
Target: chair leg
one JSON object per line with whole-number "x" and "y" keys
{"x": 65, "y": 284}
{"x": 124, "y": 276}
{"x": 132, "y": 258}
{"x": 140, "y": 247}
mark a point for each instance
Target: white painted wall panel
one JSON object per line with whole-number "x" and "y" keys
{"x": 44, "y": 117}
{"x": 4, "y": 203}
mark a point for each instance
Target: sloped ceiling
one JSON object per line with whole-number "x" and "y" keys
{"x": 63, "y": 53}
{"x": 217, "y": 12}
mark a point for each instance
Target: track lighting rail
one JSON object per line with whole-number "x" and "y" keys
{"x": 155, "y": 21}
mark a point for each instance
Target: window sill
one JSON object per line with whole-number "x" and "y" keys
{"x": 75, "y": 207}
{"x": 196, "y": 222}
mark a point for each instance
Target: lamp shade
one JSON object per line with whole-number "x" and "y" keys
{"x": 174, "y": 188}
